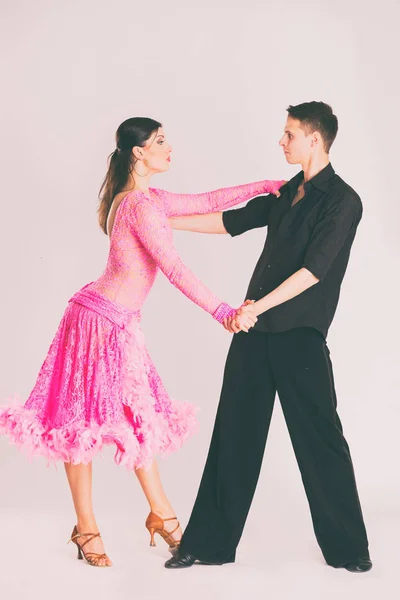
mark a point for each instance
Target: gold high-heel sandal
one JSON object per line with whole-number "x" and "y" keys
{"x": 155, "y": 524}
{"x": 92, "y": 558}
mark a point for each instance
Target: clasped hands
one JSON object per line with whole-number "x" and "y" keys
{"x": 244, "y": 319}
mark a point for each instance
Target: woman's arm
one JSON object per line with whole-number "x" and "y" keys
{"x": 209, "y": 202}
{"x": 149, "y": 224}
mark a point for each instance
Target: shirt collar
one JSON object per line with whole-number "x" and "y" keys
{"x": 293, "y": 183}
{"x": 321, "y": 181}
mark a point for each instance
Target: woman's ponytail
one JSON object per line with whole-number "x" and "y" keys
{"x": 116, "y": 178}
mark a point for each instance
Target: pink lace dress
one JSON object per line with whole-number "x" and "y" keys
{"x": 98, "y": 384}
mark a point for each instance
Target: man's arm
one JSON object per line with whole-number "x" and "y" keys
{"x": 235, "y": 222}
{"x": 211, "y": 223}
{"x": 294, "y": 285}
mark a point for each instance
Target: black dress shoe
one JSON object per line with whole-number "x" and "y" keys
{"x": 361, "y": 565}
{"x": 181, "y": 560}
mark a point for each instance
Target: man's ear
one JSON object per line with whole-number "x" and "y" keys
{"x": 316, "y": 139}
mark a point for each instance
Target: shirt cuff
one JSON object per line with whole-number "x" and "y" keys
{"x": 231, "y": 225}
{"x": 318, "y": 272}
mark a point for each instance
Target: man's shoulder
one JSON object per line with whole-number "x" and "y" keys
{"x": 343, "y": 190}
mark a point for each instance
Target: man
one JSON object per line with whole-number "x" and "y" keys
{"x": 295, "y": 285}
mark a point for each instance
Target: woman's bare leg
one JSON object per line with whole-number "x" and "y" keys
{"x": 159, "y": 504}
{"x": 80, "y": 482}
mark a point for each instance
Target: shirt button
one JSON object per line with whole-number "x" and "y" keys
{"x": 268, "y": 266}
{"x": 261, "y": 288}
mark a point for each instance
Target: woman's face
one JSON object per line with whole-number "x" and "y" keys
{"x": 156, "y": 154}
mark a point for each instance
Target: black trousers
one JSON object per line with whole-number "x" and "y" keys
{"x": 295, "y": 364}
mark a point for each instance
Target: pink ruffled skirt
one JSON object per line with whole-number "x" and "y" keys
{"x": 98, "y": 385}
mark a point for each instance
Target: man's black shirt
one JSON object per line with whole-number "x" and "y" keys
{"x": 316, "y": 233}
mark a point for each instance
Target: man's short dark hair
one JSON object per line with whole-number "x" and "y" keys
{"x": 316, "y": 116}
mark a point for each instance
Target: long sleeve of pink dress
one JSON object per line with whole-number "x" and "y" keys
{"x": 197, "y": 204}
{"x": 149, "y": 224}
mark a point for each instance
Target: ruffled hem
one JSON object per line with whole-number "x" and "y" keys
{"x": 79, "y": 442}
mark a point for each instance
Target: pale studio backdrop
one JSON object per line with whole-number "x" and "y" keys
{"x": 219, "y": 75}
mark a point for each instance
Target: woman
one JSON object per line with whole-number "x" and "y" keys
{"x": 98, "y": 384}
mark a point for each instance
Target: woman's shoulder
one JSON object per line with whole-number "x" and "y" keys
{"x": 140, "y": 205}
{"x": 135, "y": 198}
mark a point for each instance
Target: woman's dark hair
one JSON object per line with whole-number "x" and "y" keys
{"x": 132, "y": 132}
{"x": 316, "y": 116}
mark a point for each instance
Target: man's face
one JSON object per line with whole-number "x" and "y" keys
{"x": 296, "y": 144}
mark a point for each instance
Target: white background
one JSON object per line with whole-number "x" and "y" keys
{"x": 219, "y": 75}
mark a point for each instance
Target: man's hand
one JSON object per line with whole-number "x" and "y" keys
{"x": 244, "y": 319}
